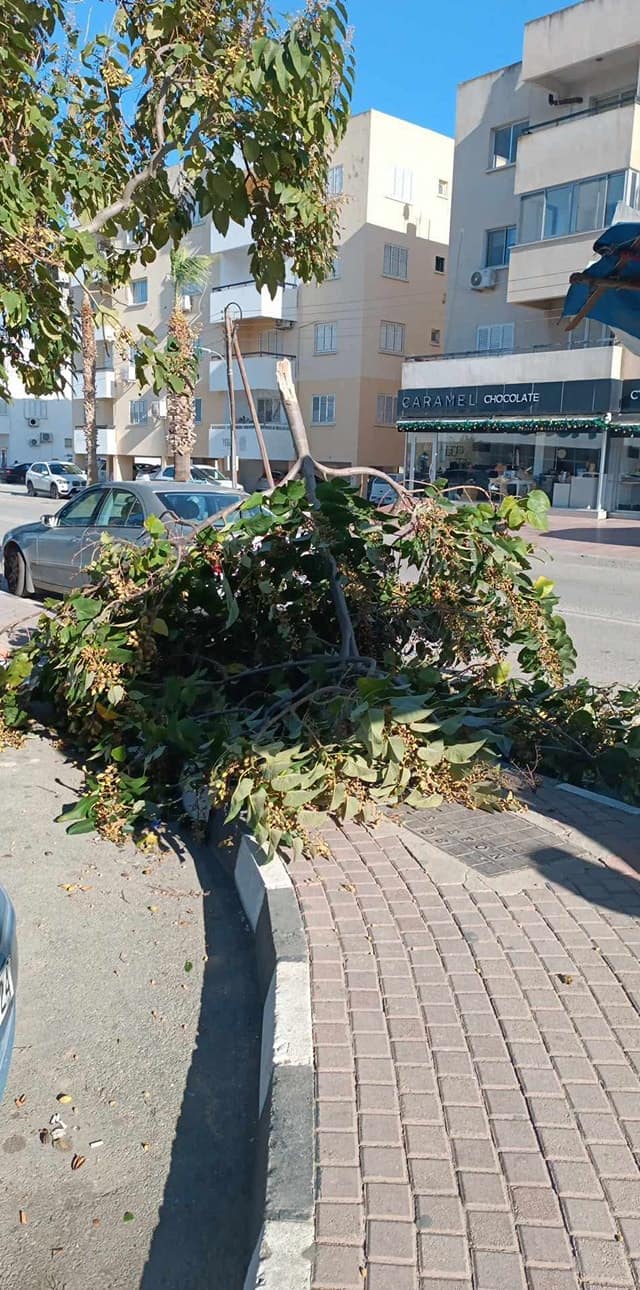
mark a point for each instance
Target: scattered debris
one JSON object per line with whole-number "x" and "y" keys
{"x": 78, "y": 1162}
{"x": 23, "y": 1217}
{"x": 127, "y": 1217}
{"x": 64, "y": 1098}
{"x": 188, "y": 967}
{"x": 565, "y": 978}
{"x": 57, "y": 1123}
{"x": 95, "y": 1222}
{"x": 153, "y": 909}
{"x": 56, "y": 1249}
{"x": 146, "y": 1146}
{"x": 45, "y": 1137}
{"x": 98, "y": 1142}
{"x": 20, "y": 1101}
{"x": 61, "y": 1144}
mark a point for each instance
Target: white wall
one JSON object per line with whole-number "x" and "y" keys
{"x": 54, "y": 416}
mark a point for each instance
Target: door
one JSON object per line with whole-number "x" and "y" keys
{"x": 121, "y": 515}
{"x": 64, "y": 550}
{"x": 38, "y": 472}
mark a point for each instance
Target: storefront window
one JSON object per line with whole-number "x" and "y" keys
{"x": 624, "y": 474}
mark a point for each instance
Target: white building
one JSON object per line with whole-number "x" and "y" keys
{"x": 35, "y": 429}
{"x": 546, "y": 149}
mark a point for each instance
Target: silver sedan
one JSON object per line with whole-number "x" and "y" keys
{"x": 54, "y": 553}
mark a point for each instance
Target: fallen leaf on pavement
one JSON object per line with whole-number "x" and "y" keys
{"x": 64, "y": 1098}
{"x": 69, "y": 887}
{"x": 145, "y": 1146}
{"x": 347, "y": 886}
{"x": 20, "y": 1101}
{"x": 565, "y": 978}
{"x": 188, "y": 967}
{"x": 153, "y": 909}
{"x": 23, "y": 1217}
{"x": 56, "y": 1249}
{"x": 61, "y": 1144}
{"x": 78, "y": 1162}
{"x": 127, "y": 1217}
{"x": 95, "y": 1222}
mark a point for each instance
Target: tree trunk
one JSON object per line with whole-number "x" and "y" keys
{"x": 89, "y": 350}
{"x": 181, "y": 434}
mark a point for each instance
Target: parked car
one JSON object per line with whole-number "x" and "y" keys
{"x": 8, "y": 984}
{"x": 55, "y": 478}
{"x": 54, "y": 553}
{"x": 16, "y": 474}
{"x": 207, "y": 474}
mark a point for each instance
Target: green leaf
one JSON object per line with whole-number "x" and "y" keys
{"x": 160, "y": 627}
{"x": 116, "y": 694}
{"x": 86, "y": 609}
{"x": 432, "y": 753}
{"x": 188, "y": 967}
{"x": 243, "y": 789}
{"x": 127, "y": 1217}
{"x": 153, "y": 524}
{"x": 82, "y": 826}
{"x": 424, "y": 801}
{"x": 457, "y": 754}
{"x": 119, "y": 754}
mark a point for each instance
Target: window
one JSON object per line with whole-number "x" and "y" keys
{"x": 392, "y": 337}
{"x": 82, "y": 510}
{"x": 268, "y": 409}
{"x": 582, "y": 207}
{"x": 499, "y": 243}
{"x": 323, "y": 409}
{"x": 504, "y": 143}
{"x": 395, "y": 262}
{"x": 138, "y": 412}
{"x": 401, "y": 184}
{"x": 326, "y": 338}
{"x": 197, "y": 411}
{"x": 590, "y": 332}
{"x": 336, "y": 269}
{"x": 495, "y": 338}
{"x": 68, "y": 443}
{"x": 385, "y": 410}
{"x": 440, "y": 264}
{"x": 35, "y": 408}
{"x": 435, "y": 335}
{"x": 335, "y": 181}
{"x": 121, "y": 509}
{"x": 443, "y": 188}
{"x": 271, "y": 342}
{"x": 139, "y": 291}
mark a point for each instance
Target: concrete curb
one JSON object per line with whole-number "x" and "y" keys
{"x": 283, "y": 1219}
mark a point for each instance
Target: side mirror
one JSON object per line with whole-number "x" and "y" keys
{"x": 49, "y": 521}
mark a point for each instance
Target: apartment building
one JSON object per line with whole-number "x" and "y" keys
{"x": 547, "y": 155}
{"x": 346, "y": 338}
{"x": 34, "y": 429}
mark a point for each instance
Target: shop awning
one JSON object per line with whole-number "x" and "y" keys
{"x": 609, "y": 289}
{"x": 508, "y": 425}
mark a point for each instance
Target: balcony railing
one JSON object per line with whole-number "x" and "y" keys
{"x": 606, "y": 343}
{"x": 623, "y": 101}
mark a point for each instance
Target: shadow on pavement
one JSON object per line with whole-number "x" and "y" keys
{"x": 593, "y": 536}
{"x": 589, "y": 879}
{"x": 202, "y": 1237}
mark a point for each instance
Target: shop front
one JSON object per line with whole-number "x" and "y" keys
{"x": 574, "y": 439}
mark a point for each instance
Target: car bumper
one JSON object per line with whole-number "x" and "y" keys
{"x": 7, "y": 1035}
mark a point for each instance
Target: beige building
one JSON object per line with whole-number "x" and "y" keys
{"x": 547, "y": 155}
{"x": 346, "y": 338}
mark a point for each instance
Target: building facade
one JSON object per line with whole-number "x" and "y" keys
{"x": 346, "y": 338}
{"x": 547, "y": 155}
{"x": 34, "y": 429}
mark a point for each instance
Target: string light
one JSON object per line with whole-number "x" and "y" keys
{"x": 554, "y": 425}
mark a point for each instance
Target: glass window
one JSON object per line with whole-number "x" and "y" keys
{"x": 197, "y": 411}
{"x": 395, "y": 261}
{"x": 197, "y": 507}
{"x": 323, "y": 409}
{"x": 392, "y": 337}
{"x": 121, "y": 509}
{"x": 495, "y": 337}
{"x": 139, "y": 291}
{"x": 138, "y": 412}
{"x": 557, "y": 214}
{"x": 615, "y": 194}
{"x": 504, "y": 143}
{"x": 435, "y": 335}
{"x": 268, "y": 409}
{"x": 335, "y": 181}
{"x": 82, "y": 510}
{"x": 531, "y": 217}
{"x": 499, "y": 243}
{"x": 590, "y": 205}
{"x": 64, "y": 468}
{"x": 385, "y": 410}
{"x": 440, "y": 264}
{"x": 401, "y": 184}
{"x": 443, "y": 188}
{"x": 326, "y": 338}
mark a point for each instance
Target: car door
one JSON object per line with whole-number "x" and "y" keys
{"x": 121, "y": 515}
{"x": 64, "y": 549}
{"x": 36, "y": 475}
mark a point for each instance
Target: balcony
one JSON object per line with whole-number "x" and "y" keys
{"x": 277, "y": 438}
{"x": 531, "y": 366}
{"x": 559, "y": 47}
{"x": 236, "y": 236}
{"x": 107, "y": 442}
{"x": 595, "y": 142}
{"x": 539, "y": 271}
{"x": 105, "y": 381}
{"x": 254, "y": 303}
{"x": 260, "y": 368}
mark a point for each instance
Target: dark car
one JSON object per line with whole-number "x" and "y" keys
{"x": 16, "y": 474}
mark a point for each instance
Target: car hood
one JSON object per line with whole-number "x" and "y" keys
{"x": 24, "y": 533}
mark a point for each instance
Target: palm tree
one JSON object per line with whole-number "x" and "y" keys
{"x": 88, "y": 347}
{"x": 189, "y": 271}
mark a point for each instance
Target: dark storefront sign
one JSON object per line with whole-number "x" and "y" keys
{"x": 543, "y": 399}
{"x": 630, "y": 401}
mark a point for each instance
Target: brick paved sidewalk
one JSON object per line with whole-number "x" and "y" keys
{"x": 477, "y": 1057}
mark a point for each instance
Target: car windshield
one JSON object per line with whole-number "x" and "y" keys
{"x": 197, "y": 507}
{"x": 207, "y": 472}
{"x": 63, "y": 468}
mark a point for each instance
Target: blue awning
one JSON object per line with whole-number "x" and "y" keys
{"x": 600, "y": 291}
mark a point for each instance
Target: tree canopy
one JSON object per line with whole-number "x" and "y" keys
{"x": 248, "y": 106}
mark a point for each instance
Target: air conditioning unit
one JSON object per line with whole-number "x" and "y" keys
{"x": 159, "y": 408}
{"x": 285, "y": 324}
{"x": 33, "y": 443}
{"x": 187, "y": 304}
{"x": 33, "y": 421}
{"x": 483, "y": 279}
{"x": 46, "y": 437}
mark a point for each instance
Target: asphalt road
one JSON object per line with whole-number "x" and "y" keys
{"x": 137, "y": 999}
{"x": 600, "y": 596}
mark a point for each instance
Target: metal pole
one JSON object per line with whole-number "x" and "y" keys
{"x": 601, "y": 473}
{"x": 228, "y": 336}
{"x": 410, "y": 464}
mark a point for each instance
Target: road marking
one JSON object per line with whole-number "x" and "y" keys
{"x": 601, "y": 618}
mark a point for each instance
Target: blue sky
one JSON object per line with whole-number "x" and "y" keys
{"x": 411, "y": 54}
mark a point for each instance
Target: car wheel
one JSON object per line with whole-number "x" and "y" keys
{"x": 15, "y": 571}
{"x": 30, "y": 489}
{"x": 53, "y": 492}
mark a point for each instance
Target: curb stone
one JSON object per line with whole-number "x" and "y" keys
{"x": 282, "y": 1227}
